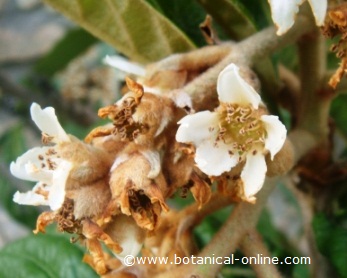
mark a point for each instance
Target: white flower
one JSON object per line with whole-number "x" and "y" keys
{"x": 283, "y": 12}
{"x": 124, "y": 65}
{"x": 43, "y": 164}
{"x": 234, "y": 133}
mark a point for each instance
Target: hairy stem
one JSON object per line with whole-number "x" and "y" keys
{"x": 314, "y": 104}
{"x": 203, "y": 88}
{"x": 225, "y": 242}
{"x": 216, "y": 203}
{"x": 252, "y": 245}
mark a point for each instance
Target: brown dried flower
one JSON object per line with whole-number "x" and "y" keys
{"x": 336, "y": 26}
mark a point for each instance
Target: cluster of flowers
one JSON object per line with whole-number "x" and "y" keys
{"x": 112, "y": 187}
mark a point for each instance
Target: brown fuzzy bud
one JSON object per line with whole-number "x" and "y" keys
{"x": 89, "y": 163}
{"x": 138, "y": 188}
{"x": 282, "y": 162}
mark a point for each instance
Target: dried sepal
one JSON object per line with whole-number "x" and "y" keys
{"x": 336, "y": 26}
{"x": 338, "y": 16}
{"x": 91, "y": 230}
{"x": 231, "y": 185}
{"x": 207, "y": 30}
{"x": 336, "y": 77}
{"x": 201, "y": 190}
{"x": 46, "y": 218}
{"x": 136, "y": 90}
{"x": 99, "y": 131}
{"x": 97, "y": 258}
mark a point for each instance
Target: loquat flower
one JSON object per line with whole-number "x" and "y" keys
{"x": 44, "y": 165}
{"x": 238, "y": 131}
{"x": 283, "y": 12}
{"x": 63, "y": 166}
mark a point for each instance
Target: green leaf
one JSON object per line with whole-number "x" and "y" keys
{"x": 47, "y": 256}
{"x": 339, "y": 112}
{"x": 27, "y": 215}
{"x": 231, "y": 16}
{"x": 260, "y": 11}
{"x": 332, "y": 242}
{"x": 74, "y": 43}
{"x": 133, "y": 27}
{"x": 185, "y": 14}
{"x": 12, "y": 143}
{"x": 301, "y": 271}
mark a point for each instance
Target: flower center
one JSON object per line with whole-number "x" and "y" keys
{"x": 241, "y": 127}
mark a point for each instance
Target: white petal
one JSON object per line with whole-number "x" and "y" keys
{"x": 163, "y": 124}
{"x": 215, "y": 160}
{"x": 47, "y": 122}
{"x": 182, "y": 99}
{"x": 283, "y": 13}
{"x": 152, "y": 90}
{"x": 232, "y": 88}
{"x": 57, "y": 192}
{"x": 253, "y": 174}
{"x": 276, "y": 134}
{"x": 28, "y": 166}
{"x": 153, "y": 158}
{"x": 119, "y": 160}
{"x": 125, "y": 65}
{"x": 129, "y": 236}
{"x": 197, "y": 127}
{"x": 319, "y": 9}
{"x": 130, "y": 247}
{"x": 30, "y": 198}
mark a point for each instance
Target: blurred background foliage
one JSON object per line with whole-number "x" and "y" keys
{"x": 49, "y": 59}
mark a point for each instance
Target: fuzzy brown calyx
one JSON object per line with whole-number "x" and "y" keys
{"x": 89, "y": 163}
{"x": 138, "y": 188}
{"x": 138, "y": 116}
